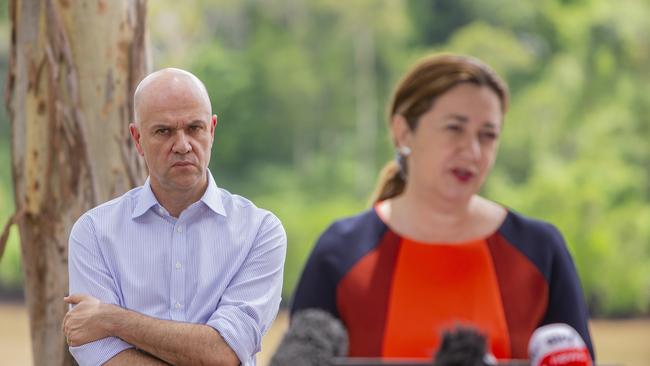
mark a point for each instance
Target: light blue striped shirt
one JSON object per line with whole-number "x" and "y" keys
{"x": 220, "y": 263}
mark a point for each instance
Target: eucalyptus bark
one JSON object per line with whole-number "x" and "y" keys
{"x": 73, "y": 68}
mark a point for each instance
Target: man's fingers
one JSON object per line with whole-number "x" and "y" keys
{"x": 64, "y": 323}
{"x": 75, "y": 298}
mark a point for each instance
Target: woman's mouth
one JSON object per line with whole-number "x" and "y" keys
{"x": 463, "y": 175}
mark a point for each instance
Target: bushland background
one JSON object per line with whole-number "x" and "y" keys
{"x": 300, "y": 88}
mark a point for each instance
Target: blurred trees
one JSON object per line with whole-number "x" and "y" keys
{"x": 300, "y": 88}
{"x": 294, "y": 83}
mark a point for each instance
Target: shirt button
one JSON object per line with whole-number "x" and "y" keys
{"x": 179, "y": 229}
{"x": 177, "y": 306}
{"x": 178, "y": 265}
{"x": 161, "y": 211}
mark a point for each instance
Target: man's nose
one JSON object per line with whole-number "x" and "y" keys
{"x": 181, "y": 143}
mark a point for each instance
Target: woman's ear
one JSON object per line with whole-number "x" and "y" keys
{"x": 400, "y": 131}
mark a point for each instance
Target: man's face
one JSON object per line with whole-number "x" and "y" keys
{"x": 174, "y": 133}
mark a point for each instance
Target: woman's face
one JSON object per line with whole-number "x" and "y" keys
{"x": 454, "y": 144}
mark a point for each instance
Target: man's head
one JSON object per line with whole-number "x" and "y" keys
{"x": 174, "y": 130}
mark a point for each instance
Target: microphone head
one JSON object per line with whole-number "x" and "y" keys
{"x": 463, "y": 346}
{"x": 557, "y": 345}
{"x": 314, "y": 337}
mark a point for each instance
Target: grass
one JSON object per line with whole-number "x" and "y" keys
{"x": 617, "y": 342}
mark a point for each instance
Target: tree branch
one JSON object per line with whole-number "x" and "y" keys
{"x": 5, "y": 232}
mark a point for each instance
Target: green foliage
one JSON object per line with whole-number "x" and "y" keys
{"x": 11, "y": 274}
{"x": 494, "y": 45}
{"x": 575, "y": 151}
{"x": 4, "y": 9}
{"x": 304, "y": 216}
{"x": 287, "y": 81}
{"x": 10, "y": 266}
{"x": 305, "y": 204}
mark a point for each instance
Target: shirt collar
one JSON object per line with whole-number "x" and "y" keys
{"x": 211, "y": 198}
{"x": 145, "y": 200}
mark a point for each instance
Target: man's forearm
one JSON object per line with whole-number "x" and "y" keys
{"x": 174, "y": 342}
{"x": 134, "y": 357}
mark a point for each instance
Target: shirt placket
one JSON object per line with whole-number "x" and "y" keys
{"x": 178, "y": 262}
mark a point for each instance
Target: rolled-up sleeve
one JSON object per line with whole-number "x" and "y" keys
{"x": 251, "y": 301}
{"x": 89, "y": 274}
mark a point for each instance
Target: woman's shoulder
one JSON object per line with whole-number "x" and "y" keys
{"x": 521, "y": 228}
{"x": 340, "y": 246}
{"x": 364, "y": 227}
{"x": 540, "y": 241}
{"x": 348, "y": 240}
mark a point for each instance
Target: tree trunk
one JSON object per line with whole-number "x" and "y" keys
{"x": 73, "y": 68}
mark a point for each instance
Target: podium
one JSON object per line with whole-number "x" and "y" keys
{"x": 360, "y": 361}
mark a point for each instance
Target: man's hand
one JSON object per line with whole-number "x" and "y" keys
{"x": 177, "y": 343}
{"x": 84, "y": 322}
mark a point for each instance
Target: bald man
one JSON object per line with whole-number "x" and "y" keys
{"x": 177, "y": 271}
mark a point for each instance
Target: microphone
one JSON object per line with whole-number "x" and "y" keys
{"x": 313, "y": 339}
{"x": 463, "y": 346}
{"x": 557, "y": 345}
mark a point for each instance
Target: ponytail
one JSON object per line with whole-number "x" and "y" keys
{"x": 390, "y": 183}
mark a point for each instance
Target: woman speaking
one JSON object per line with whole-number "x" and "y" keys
{"x": 431, "y": 253}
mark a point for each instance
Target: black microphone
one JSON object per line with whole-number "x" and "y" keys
{"x": 463, "y": 346}
{"x": 314, "y": 337}
{"x": 558, "y": 345}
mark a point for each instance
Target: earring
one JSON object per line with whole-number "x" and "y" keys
{"x": 405, "y": 150}
{"x": 400, "y": 156}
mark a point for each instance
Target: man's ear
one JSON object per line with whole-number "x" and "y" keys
{"x": 213, "y": 125}
{"x": 135, "y": 135}
{"x": 400, "y": 131}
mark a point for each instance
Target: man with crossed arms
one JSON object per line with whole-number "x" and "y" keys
{"x": 177, "y": 271}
